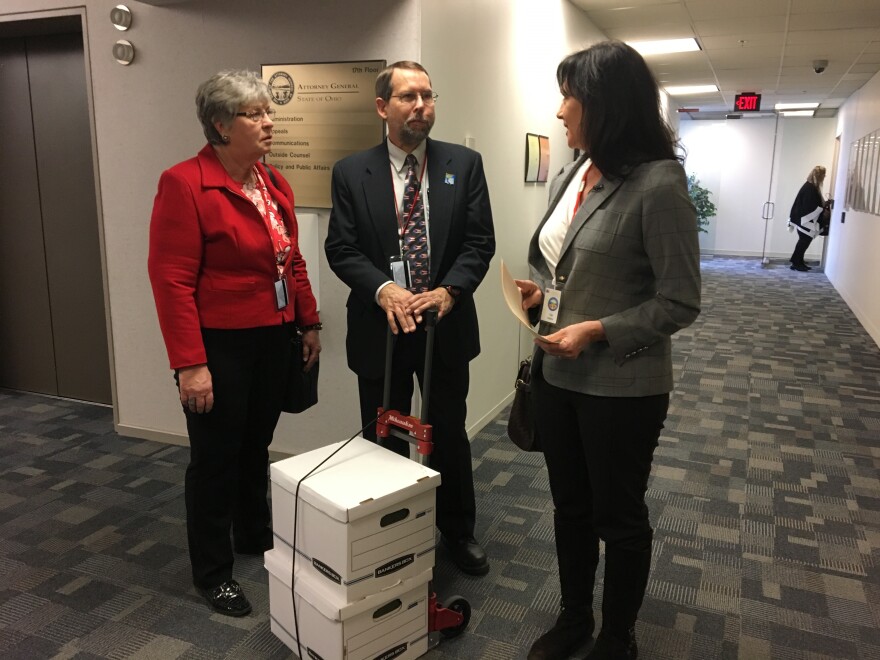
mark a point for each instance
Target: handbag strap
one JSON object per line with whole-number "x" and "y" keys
{"x": 524, "y": 375}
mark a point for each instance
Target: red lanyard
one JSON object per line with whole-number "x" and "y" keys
{"x": 277, "y": 233}
{"x": 408, "y": 218}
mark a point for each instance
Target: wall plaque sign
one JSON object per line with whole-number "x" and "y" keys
{"x": 324, "y": 112}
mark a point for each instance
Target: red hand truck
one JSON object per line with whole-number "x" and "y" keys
{"x": 452, "y": 617}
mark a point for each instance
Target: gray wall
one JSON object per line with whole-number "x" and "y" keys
{"x": 144, "y": 121}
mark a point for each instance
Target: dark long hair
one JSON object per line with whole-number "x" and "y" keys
{"x": 621, "y": 123}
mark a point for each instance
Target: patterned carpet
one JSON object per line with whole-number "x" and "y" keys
{"x": 765, "y": 497}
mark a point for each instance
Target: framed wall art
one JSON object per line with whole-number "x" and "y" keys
{"x": 537, "y": 158}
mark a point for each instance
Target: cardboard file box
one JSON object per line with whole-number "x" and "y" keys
{"x": 365, "y": 517}
{"x": 390, "y": 624}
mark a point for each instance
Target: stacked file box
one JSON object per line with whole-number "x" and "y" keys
{"x": 364, "y": 552}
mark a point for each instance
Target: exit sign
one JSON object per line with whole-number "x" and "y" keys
{"x": 747, "y": 102}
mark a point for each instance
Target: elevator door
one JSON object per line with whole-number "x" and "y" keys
{"x": 53, "y": 336}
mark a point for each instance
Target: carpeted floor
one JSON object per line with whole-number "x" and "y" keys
{"x": 765, "y": 497}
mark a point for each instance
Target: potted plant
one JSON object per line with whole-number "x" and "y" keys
{"x": 700, "y": 198}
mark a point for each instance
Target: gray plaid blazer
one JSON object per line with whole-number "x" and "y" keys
{"x": 631, "y": 260}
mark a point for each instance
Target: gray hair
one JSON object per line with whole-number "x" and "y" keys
{"x": 224, "y": 94}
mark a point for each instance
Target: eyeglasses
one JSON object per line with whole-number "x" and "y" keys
{"x": 428, "y": 98}
{"x": 257, "y": 115}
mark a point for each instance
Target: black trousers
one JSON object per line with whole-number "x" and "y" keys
{"x": 803, "y": 242}
{"x": 227, "y": 476}
{"x": 598, "y": 452}
{"x": 447, "y": 412}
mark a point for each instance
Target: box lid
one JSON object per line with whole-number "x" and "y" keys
{"x": 358, "y": 480}
{"x": 330, "y": 604}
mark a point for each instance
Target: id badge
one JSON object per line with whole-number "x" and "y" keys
{"x": 399, "y": 271}
{"x": 281, "y": 293}
{"x": 550, "y": 309}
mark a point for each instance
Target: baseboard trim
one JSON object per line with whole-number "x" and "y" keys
{"x": 152, "y": 434}
{"x": 480, "y": 424}
{"x": 178, "y": 440}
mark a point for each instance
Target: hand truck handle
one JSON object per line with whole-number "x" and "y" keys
{"x": 430, "y": 319}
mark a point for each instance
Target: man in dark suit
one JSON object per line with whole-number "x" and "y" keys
{"x": 420, "y": 209}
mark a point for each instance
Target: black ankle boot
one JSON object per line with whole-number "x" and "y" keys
{"x": 573, "y": 628}
{"x": 626, "y": 576}
{"x": 577, "y": 553}
{"x": 608, "y": 647}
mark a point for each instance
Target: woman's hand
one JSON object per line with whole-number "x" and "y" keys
{"x": 572, "y": 340}
{"x": 196, "y": 388}
{"x": 311, "y": 348}
{"x": 531, "y": 293}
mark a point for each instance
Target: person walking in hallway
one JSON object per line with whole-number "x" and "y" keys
{"x": 615, "y": 271}
{"x": 808, "y": 199}
{"x": 411, "y": 230}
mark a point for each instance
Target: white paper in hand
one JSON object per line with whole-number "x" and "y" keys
{"x": 513, "y": 298}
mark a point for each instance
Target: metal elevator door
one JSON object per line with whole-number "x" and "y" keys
{"x": 53, "y": 336}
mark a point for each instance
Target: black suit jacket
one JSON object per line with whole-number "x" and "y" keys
{"x": 363, "y": 235}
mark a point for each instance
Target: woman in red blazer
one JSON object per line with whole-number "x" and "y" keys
{"x": 230, "y": 287}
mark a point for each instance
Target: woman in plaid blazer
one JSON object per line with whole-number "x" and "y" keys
{"x": 615, "y": 271}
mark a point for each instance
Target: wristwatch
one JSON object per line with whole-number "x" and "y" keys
{"x": 453, "y": 291}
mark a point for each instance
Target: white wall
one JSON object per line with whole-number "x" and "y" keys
{"x": 145, "y": 122}
{"x": 493, "y": 63}
{"x": 733, "y": 160}
{"x": 852, "y": 263}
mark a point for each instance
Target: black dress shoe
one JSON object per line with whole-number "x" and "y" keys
{"x": 227, "y": 599}
{"x": 608, "y": 647}
{"x": 801, "y": 267}
{"x": 573, "y": 628}
{"x": 468, "y": 555}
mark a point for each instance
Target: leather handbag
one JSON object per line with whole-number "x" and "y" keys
{"x": 521, "y": 423}
{"x": 302, "y": 385}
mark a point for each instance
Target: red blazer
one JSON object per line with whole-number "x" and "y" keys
{"x": 211, "y": 263}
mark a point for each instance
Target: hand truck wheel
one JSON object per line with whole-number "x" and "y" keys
{"x": 462, "y": 607}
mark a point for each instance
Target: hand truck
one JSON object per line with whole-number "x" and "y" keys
{"x": 452, "y": 617}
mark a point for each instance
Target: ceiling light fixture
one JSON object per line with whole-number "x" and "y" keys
{"x": 665, "y": 46}
{"x": 683, "y": 90}
{"x": 797, "y": 113}
{"x": 795, "y": 106}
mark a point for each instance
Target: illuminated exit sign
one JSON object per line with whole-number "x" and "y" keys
{"x": 747, "y": 102}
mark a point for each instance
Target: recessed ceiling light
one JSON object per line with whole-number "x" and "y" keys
{"x": 795, "y": 106}
{"x": 797, "y": 113}
{"x": 682, "y": 90}
{"x": 665, "y": 46}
